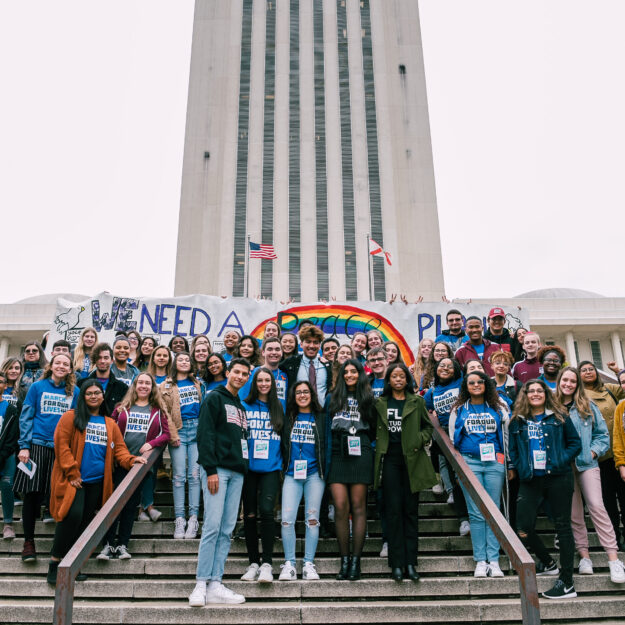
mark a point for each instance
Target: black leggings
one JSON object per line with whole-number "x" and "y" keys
{"x": 259, "y": 497}
{"x": 557, "y": 490}
{"x": 87, "y": 500}
{"x": 31, "y": 511}
{"x": 613, "y": 491}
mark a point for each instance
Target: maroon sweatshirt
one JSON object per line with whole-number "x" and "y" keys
{"x": 527, "y": 369}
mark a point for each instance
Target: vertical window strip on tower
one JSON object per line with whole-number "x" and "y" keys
{"x": 266, "y": 268}
{"x": 375, "y": 198}
{"x": 349, "y": 226}
{"x": 240, "y": 212}
{"x": 321, "y": 181}
{"x": 295, "y": 286}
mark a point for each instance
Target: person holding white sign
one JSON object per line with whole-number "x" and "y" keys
{"x": 478, "y": 435}
{"x": 350, "y": 408}
{"x": 543, "y": 444}
{"x": 265, "y": 422}
{"x": 304, "y": 465}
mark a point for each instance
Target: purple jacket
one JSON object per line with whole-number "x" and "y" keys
{"x": 467, "y": 352}
{"x": 158, "y": 430}
{"x": 526, "y": 370}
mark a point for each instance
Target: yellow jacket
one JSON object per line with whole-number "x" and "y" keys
{"x": 618, "y": 435}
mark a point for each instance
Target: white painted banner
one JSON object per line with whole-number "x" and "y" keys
{"x": 188, "y": 316}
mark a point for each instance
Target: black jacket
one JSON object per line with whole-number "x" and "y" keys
{"x": 291, "y": 366}
{"x": 114, "y": 393}
{"x": 221, "y": 431}
{"x": 319, "y": 429}
{"x": 9, "y": 434}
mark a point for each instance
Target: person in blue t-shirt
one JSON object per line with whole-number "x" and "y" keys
{"x": 265, "y": 423}
{"x": 377, "y": 362}
{"x": 43, "y": 406}
{"x": 304, "y": 465}
{"x": 159, "y": 365}
{"x": 552, "y": 358}
{"x": 440, "y": 399}
{"x": 478, "y": 436}
{"x": 215, "y": 372}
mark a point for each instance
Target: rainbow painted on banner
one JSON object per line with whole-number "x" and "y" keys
{"x": 340, "y": 321}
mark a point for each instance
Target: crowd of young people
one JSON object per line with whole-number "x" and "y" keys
{"x": 300, "y": 416}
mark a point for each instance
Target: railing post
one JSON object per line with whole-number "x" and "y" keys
{"x": 64, "y": 597}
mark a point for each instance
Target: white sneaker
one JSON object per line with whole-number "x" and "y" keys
{"x": 251, "y": 573}
{"x": 585, "y": 566}
{"x": 192, "y": 527}
{"x": 107, "y": 553}
{"x": 288, "y": 573}
{"x": 220, "y": 594}
{"x": 331, "y": 513}
{"x": 438, "y": 489}
{"x": 123, "y": 553}
{"x": 384, "y": 551}
{"x": 143, "y": 516}
{"x": 494, "y": 570}
{"x": 309, "y": 571}
{"x": 179, "y": 527}
{"x": 465, "y": 528}
{"x": 450, "y": 499}
{"x": 481, "y": 569}
{"x": 617, "y": 571}
{"x": 265, "y": 574}
{"x": 154, "y": 514}
{"x": 197, "y": 599}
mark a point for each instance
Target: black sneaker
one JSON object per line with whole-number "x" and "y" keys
{"x": 53, "y": 567}
{"x": 560, "y": 591}
{"x": 549, "y": 569}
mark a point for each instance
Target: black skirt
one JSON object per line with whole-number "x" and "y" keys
{"x": 346, "y": 469}
{"x": 43, "y": 457}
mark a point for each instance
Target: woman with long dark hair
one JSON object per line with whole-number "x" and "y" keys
{"x": 593, "y": 433}
{"x": 480, "y": 417}
{"x": 46, "y": 400}
{"x": 402, "y": 466}
{"x": 352, "y": 425}
{"x": 86, "y": 444}
{"x": 249, "y": 349}
{"x": 216, "y": 368}
{"x": 142, "y": 422}
{"x": 289, "y": 343}
{"x": 542, "y": 444}
{"x": 200, "y": 351}
{"x": 265, "y": 420}
{"x": 304, "y": 471}
{"x": 147, "y": 346}
{"x": 439, "y": 351}
{"x": 607, "y": 396}
{"x": 134, "y": 339}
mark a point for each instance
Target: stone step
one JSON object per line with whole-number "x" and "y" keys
{"x": 371, "y": 589}
{"x": 167, "y": 565}
{"x": 584, "y": 609}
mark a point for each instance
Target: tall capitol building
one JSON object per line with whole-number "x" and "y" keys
{"x": 307, "y": 129}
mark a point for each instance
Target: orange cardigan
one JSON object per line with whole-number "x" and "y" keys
{"x": 69, "y": 444}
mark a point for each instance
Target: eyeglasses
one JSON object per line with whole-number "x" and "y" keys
{"x": 445, "y": 366}
{"x": 31, "y": 351}
{"x": 476, "y": 383}
{"x": 440, "y": 351}
{"x": 381, "y": 359}
{"x": 93, "y": 393}
{"x": 552, "y": 361}
{"x": 587, "y": 370}
{"x": 302, "y": 393}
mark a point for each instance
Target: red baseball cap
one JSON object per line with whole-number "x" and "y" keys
{"x": 496, "y": 312}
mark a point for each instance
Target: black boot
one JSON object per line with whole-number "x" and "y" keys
{"x": 397, "y": 574}
{"x": 344, "y": 572}
{"x": 354, "y": 569}
{"x": 412, "y": 572}
{"x": 53, "y": 568}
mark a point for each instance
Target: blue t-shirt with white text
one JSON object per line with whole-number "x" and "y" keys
{"x": 303, "y": 444}
{"x": 94, "y": 453}
{"x": 189, "y": 399}
{"x": 262, "y": 440}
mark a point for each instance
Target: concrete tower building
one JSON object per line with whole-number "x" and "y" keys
{"x": 307, "y": 128}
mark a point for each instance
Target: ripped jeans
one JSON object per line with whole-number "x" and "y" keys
{"x": 185, "y": 468}
{"x": 292, "y": 490}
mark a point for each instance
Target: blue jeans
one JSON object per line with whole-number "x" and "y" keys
{"x": 149, "y": 483}
{"x": 185, "y": 468}
{"x": 7, "y": 476}
{"x": 491, "y": 475}
{"x": 220, "y": 517}
{"x": 292, "y": 490}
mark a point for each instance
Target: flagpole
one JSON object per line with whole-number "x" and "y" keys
{"x": 369, "y": 268}
{"x": 247, "y": 268}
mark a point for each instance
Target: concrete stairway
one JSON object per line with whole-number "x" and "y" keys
{"x": 154, "y": 586}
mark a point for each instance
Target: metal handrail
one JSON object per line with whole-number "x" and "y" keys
{"x": 71, "y": 564}
{"x": 520, "y": 559}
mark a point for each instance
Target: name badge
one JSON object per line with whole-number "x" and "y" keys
{"x": 353, "y": 446}
{"x": 300, "y": 467}
{"x": 540, "y": 459}
{"x": 244, "y": 450}
{"x": 261, "y": 450}
{"x": 487, "y": 452}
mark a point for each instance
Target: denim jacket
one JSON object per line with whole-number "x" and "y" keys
{"x": 594, "y": 435}
{"x": 562, "y": 445}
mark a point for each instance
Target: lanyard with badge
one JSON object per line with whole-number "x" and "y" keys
{"x": 487, "y": 450}
{"x": 261, "y": 447}
{"x": 244, "y": 448}
{"x": 353, "y": 442}
{"x": 540, "y": 455}
{"x": 300, "y": 467}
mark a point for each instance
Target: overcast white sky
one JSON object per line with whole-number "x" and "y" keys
{"x": 527, "y": 108}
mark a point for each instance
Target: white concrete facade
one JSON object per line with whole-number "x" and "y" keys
{"x": 259, "y": 71}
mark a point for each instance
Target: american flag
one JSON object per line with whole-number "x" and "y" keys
{"x": 260, "y": 250}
